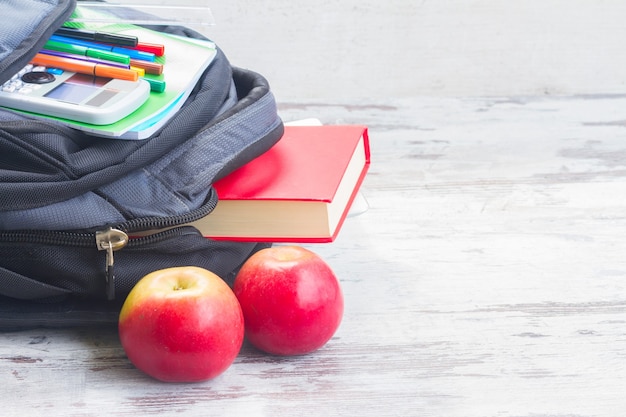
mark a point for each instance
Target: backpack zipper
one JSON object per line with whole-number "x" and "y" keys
{"x": 115, "y": 237}
{"x": 110, "y": 240}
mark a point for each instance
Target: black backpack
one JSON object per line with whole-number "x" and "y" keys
{"x": 70, "y": 204}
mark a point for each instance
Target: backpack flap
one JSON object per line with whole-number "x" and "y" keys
{"x": 26, "y": 26}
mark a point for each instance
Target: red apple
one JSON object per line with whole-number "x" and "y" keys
{"x": 291, "y": 300}
{"x": 181, "y": 324}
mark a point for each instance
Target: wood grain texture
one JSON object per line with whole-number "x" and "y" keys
{"x": 399, "y": 48}
{"x": 486, "y": 279}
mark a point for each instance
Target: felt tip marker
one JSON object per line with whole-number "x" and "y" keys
{"x": 153, "y": 48}
{"x": 88, "y": 52}
{"x": 84, "y": 58}
{"x": 132, "y": 53}
{"x": 153, "y": 68}
{"x": 85, "y": 67}
{"x": 104, "y": 37}
{"x": 140, "y": 71}
{"x": 157, "y": 86}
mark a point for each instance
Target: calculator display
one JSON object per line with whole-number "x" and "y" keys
{"x": 78, "y": 88}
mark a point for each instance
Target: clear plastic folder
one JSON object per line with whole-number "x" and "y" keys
{"x": 153, "y": 12}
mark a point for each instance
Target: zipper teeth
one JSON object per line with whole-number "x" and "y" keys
{"x": 154, "y": 238}
{"x": 78, "y": 239}
{"x": 49, "y": 237}
{"x": 153, "y": 223}
{"x": 88, "y": 239}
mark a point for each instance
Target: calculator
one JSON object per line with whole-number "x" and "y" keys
{"x": 69, "y": 95}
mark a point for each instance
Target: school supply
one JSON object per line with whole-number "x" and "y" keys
{"x": 88, "y": 51}
{"x": 190, "y": 13}
{"x": 299, "y": 191}
{"x": 124, "y": 51}
{"x": 171, "y": 79}
{"x": 97, "y": 36}
{"x": 74, "y": 95}
{"x": 84, "y": 67}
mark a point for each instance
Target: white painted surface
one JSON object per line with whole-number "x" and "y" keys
{"x": 486, "y": 279}
{"x": 402, "y": 48}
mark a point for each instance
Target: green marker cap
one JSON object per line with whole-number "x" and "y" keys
{"x": 157, "y": 86}
{"x": 108, "y": 56}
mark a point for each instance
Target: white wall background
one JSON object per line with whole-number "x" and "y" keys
{"x": 400, "y": 48}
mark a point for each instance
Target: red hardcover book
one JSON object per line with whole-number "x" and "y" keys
{"x": 298, "y": 191}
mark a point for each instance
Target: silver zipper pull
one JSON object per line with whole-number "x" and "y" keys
{"x": 110, "y": 240}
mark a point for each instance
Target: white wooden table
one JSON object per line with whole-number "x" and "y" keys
{"x": 486, "y": 279}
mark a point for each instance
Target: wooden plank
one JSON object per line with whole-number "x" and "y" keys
{"x": 487, "y": 278}
{"x": 399, "y": 48}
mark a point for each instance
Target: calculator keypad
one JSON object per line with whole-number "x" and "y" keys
{"x": 17, "y": 85}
